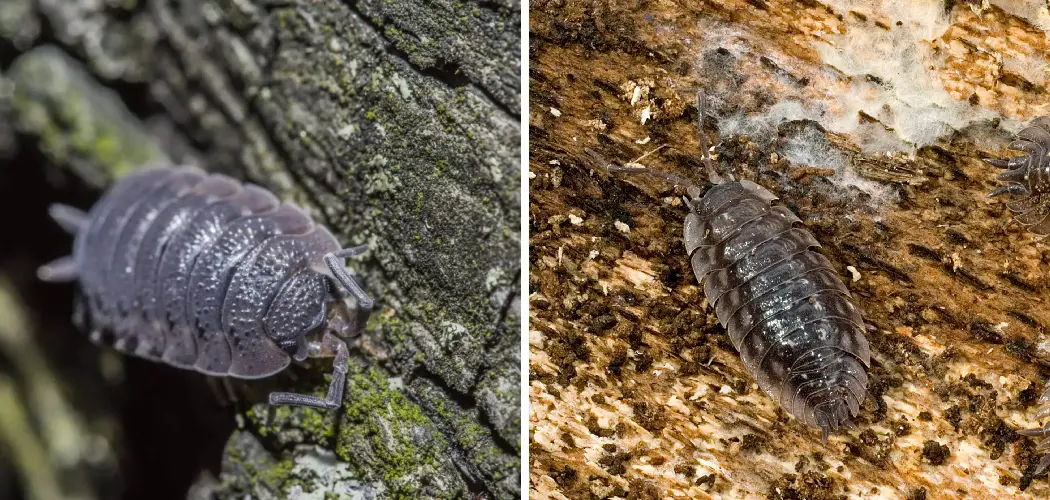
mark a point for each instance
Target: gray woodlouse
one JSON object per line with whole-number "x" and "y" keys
{"x": 1028, "y": 178}
{"x": 203, "y": 272}
{"x": 1044, "y": 432}
{"x": 786, "y": 310}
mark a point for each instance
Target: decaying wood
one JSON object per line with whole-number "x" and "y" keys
{"x": 635, "y": 390}
{"x": 397, "y": 125}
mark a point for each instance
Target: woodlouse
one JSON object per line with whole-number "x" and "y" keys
{"x": 786, "y": 310}
{"x": 1028, "y": 179}
{"x": 203, "y": 272}
{"x": 1044, "y": 432}
{"x": 1028, "y": 176}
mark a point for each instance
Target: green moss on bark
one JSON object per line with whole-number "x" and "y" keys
{"x": 77, "y": 122}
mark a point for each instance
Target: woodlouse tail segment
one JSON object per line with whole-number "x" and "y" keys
{"x": 329, "y": 346}
{"x": 60, "y": 270}
{"x": 825, "y": 389}
{"x": 72, "y": 220}
{"x": 831, "y": 416}
{"x": 693, "y": 190}
{"x": 336, "y": 264}
{"x": 825, "y": 426}
{"x": 997, "y": 162}
{"x": 1016, "y": 175}
{"x": 1042, "y": 447}
{"x": 1044, "y": 463}
{"x": 1044, "y": 400}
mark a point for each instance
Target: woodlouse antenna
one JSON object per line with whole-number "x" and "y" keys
{"x": 691, "y": 187}
{"x": 335, "y": 263}
{"x": 705, "y": 155}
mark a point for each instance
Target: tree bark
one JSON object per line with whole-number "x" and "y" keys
{"x": 396, "y": 124}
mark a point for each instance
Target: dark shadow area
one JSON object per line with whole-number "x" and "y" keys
{"x": 170, "y": 425}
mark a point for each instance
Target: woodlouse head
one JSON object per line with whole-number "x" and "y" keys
{"x": 308, "y": 305}
{"x": 298, "y": 312}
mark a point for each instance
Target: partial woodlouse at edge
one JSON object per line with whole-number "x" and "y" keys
{"x": 1028, "y": 177}
{"x": 203, "y": 272}
{"x": 1028, "y": 182}
{"x": 786, "y": 310}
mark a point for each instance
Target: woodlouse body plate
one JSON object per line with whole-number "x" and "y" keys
{"x": 184, "y": 267}
{"x": 786, "y": 310}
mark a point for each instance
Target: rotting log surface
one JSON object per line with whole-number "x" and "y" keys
{"x": 394, "y": 123}
{"x": 636, "y": 392}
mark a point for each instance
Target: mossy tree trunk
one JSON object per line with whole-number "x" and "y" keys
{"x": 397, "y": 125}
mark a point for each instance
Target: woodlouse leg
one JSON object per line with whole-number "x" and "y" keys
{"x": 1012, "y": 163}
{"x": 998, "y": 162}
{"x": 222, "y": 390}
{"x": 1013, "y": 189}
{"x": 336, "y": 263}
{"x": 1017, "y": 175}
{"x": 330, "y": 345}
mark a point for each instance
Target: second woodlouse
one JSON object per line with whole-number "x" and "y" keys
{"x": 1028, "y": 176}
{"x": 205, "y": 273}
{"x": 786, "y": 310}
{"x": 1028, "y": 181}
{"x": 1044, "y": 432}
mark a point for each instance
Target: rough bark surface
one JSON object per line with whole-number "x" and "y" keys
{"x": 397, "y": 125}
{"x": 636, "y": 391}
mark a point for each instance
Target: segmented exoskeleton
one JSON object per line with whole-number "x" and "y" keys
{"x": 203, "y": 272}
{"x": 1044, "y": 445}
{"x": 1028, "y": 180}
{"x": 786, "y": 311}
{"x": 1028, "y": 176}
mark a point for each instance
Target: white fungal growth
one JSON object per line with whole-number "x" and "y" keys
{"x": 1034, "y": 68}
{"x": 910, "y": 98}
{"x": 878, "y": 83}
{"x": 638, "y": 93}
{"x": 854, "y": 272}
{"x": 889, "y": 74}
{"x": 1037, "y": 13}
{"x": 811, "y": 147}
